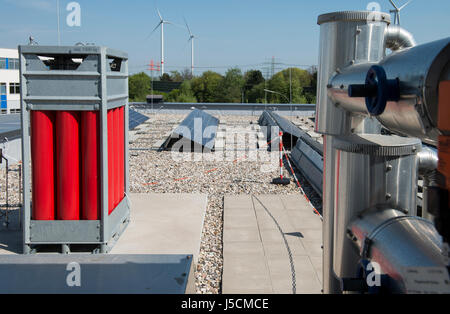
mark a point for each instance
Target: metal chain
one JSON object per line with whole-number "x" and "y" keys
{"x": 291, "y": 259}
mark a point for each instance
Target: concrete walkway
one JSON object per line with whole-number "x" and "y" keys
{"x": 167, "y": 223}
{"x": 256, "y": 257}
{"x": 160, "y": 224}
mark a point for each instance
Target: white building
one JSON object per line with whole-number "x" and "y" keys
{"x": 9, "y": 81}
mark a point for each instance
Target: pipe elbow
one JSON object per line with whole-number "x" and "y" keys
{"x": 428, "y": 160}
{"x": 398, "y": 38}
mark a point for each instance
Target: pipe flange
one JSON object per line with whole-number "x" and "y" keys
{"x": 378, "y": 145}
{"x": 354, "y": 16}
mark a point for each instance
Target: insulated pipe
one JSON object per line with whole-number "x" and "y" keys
{"x": 427, "y": 164}
{"x": 43, "y": 164}
{"x": 345, "y": 38}
{"x": 397, "y": 38}
{"x": 90, "y": 169}
{"x": 396, "y": 242}
{"x": 427, "y": 160}
{"x": 401, "y": 90}
{"x": 68, "y": 165}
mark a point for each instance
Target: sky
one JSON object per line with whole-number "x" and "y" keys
{"x": 242, "y": 33}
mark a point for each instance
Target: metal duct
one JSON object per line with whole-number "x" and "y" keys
{"x": 370, "y": 170}
{"x": 396, "y": 241}
{"x": 427, "y": 164}
{"x": 398, "y": 38}
{"x": 345, "y": 38}
{"x": 427, "y": 160}
{"x": 417, "y": 70}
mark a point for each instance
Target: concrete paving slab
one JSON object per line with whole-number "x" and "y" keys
{"x": 306, "y": 280}
{"x": 242, "y": 247}
{"x": 255, "y": 269}
{"x": 241, "y": 235}
{"x": 293, "y": 202}
{"x": 233, "y": 222}
{"x": 313, "y": 248}
{"x": 164, "y": 224}
{"x": 238, "y": 201}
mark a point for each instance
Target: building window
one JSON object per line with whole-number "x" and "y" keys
{"x": 2, "y": 88}
{"x": 13, "y": 64}
{"x": 14, "y": 88}
{"x": 9, "y": 63}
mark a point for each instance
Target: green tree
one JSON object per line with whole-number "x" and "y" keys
{"x": 256, "y": 94}
{"x": 288, "y": 82}
{"x": 139, "y": 86}
{"x": 206, "y": 87}
{"x": 165, "y": 78}
{"x": 231, "y": 87}
{"x": 252, "y": 79}
{"x": 183, "y": 94}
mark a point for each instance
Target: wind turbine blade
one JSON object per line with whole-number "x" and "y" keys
{"x": 159, "y": 14}
{"x": 403, "y": 6}
{"x": 154, "y": 29}
{"x": 187, "y": 26}
{"x": 393, "y": 4}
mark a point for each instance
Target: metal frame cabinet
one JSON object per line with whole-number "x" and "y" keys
{"x": 98, "y": 83}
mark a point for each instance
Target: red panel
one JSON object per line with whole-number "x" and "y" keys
{"x": 42, "y": 159}
{"x": 68, "y": 165}
{"x": 116, "y": 157}
{"x": 90, "y": 166}
{"x": 111, "y": 170}
{"x": 121, "y": 153}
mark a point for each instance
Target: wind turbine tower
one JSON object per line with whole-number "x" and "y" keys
{"x": 397, "y": 10}
{"x": 191, "y": 39}
{"x": 161, "y": 23}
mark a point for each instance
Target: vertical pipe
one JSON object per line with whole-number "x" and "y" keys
{"x": 121, "y": 153}
{"x": 90, "y": 172}
{"x": 345, "y": 38}
{"x": 111, "y": 185}
{"x": 68, "y": 165}
{"x": 43, "y": 166}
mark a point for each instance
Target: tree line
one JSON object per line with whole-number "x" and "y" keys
{"x": 290, "y": 85}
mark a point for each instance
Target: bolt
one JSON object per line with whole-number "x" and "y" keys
{"x": 388, "y": 168}
{"x": 388, "y": 196}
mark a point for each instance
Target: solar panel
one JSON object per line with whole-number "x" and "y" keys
{"x": 197, "y": 130}
{"x": 135, "y": 119}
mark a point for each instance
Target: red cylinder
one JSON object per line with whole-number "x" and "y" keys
{"x": 116, "y": 147}
{"x": 43, "y": 168}
{"x": 111, "y": 170}
{"x": 90, "y": 165}
{"x": 121, "y": 153}
{"x": 68, "y": 165}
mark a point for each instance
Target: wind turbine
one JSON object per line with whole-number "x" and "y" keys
{"x": 397, "y": 10}
{"x": 161, "y": 23}
{"x": 191, "y": 39}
